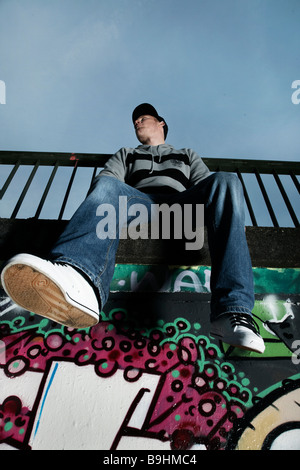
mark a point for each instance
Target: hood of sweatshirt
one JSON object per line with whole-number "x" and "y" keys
{"x": 155, "y": 151}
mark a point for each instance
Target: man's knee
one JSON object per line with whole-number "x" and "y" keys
{"x": 228, "y": 181}
{"x": 104, "y": 184}
{"x": 224, "y": 177}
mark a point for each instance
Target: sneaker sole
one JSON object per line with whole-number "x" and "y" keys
{"x": 36, "y": 293}
{"x": 240, "y": 346}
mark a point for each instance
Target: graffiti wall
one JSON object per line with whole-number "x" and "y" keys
{"x": 149, "y": 376}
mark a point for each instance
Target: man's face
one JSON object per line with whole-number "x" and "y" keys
{"x": 148, "y": 127}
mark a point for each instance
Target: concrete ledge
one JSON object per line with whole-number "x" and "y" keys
{"x": 269, "y": 247}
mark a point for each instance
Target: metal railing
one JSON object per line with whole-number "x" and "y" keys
{"x": 271, "y": 188}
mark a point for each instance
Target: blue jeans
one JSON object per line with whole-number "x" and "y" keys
{"x": 222, "y": 197}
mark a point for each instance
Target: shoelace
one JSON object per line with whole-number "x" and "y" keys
{"x": 241, "y": 319}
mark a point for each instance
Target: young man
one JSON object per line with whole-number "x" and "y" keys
{"x": 73, "y": 285}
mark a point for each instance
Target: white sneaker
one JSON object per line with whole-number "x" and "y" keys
{"x": 53, "y": 290}
{"x": 238, "y": 330}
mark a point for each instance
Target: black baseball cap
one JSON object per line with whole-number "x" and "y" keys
{"x": 148, "y": 109}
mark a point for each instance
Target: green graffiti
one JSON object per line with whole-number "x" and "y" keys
{"x": 277, "y": 281}
{"x": 197, "y": 279}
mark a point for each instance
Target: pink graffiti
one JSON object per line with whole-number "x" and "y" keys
{"x": 196, "y": 400}
{"x": 14, "y": 421}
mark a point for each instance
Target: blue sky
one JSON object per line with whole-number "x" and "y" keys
{"x": 219, "y": 71}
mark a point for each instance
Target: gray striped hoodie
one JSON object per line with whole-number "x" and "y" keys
{"x": 159, "y": 168}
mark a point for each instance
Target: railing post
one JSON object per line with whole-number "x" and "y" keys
{"x": 286, "y": 200}
{"x": 42, "y": 201}
{"x": 24, "y": 192}
{"x": 266, "y": 198}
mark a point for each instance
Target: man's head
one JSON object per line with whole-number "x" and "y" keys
{"x": 150, "y": 128}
